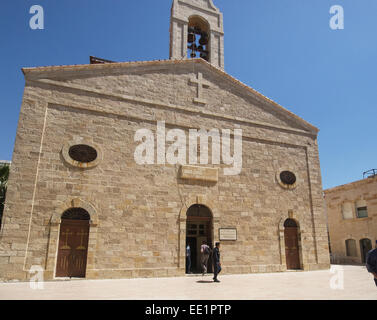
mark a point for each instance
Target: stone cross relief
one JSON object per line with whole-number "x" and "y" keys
{"x": 201, "y": 83}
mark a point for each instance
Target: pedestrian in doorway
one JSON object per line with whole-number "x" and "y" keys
{"x": 205, "y": 252}
{"x": 188, "y": 259}
{"x": 216, "y": 262}
{"x": 372, "y": 263}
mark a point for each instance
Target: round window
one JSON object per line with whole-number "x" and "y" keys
{"x": 83, "y": 153}
{"x": 288, "y": 178}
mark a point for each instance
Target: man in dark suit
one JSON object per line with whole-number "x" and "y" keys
{"x": 216, "y": 262}
{"x": 372, "y": 263}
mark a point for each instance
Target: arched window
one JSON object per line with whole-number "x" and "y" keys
{"x": 76, "y": 214}
{"x": 290, "y": 223}
{"x": 351, "y": 248}
{"x": 198, "y": 210}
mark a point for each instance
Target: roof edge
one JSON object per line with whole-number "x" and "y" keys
{"x": 350, "y": 185}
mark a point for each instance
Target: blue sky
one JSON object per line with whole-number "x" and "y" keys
{"x": 284, "y": 49}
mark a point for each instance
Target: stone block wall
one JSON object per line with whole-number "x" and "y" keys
{"x": 138, "y": 212}
{"x": 355, "y": 228}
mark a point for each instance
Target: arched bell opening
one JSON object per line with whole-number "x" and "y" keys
{"x": 198, "y": 42}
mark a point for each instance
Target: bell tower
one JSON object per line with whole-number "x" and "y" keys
{"x": 196, "y": 31}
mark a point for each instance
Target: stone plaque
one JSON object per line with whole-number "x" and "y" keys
{"x": 199, "y": 173}
{"x": 228, "y": 234}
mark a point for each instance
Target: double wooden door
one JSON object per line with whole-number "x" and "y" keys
{"x": 73, "y": 248}
{"x": 292, "y": 252}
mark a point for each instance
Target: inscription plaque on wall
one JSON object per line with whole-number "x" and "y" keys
{"x": 228, "y": 234}
{"x": 199, "y": 173}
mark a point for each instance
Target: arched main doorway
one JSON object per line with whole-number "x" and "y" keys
{"x": 73, "y": 243}
{"x": 365, "y": 247}
{"x": 199, "y": 228}
{"x": 292, "y": 251}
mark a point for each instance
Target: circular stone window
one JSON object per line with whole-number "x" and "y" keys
{"x": 83, "y": 153}
{"x": 288, "y": 178}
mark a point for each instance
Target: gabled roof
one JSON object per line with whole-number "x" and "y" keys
{"x": 38, "y": 72}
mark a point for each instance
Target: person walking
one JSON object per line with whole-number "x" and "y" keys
{"x": 216, "y": 262}
{"x": 188, "y": 259}
{"x": 205, "y": 252}
{"x": 372, "y": 263}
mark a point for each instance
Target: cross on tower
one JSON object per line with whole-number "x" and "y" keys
{"x": 201, "y": 84}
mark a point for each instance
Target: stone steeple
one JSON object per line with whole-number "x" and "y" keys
{"x": 196, "y": 30}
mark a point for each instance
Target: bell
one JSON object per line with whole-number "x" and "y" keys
{"x": 203, "y": 40}
{"x": 193, "y": 55}
{"x": 200, "y": 49}
{"x": 191, "y": 30}
{"x": 197, "y": 30}
{"x": 191, "y": 38}
{"x": 192, "y": 47}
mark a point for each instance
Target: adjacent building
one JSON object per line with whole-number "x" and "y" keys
{"x": 352, "y": 219}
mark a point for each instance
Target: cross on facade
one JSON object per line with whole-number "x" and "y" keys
{"x": 201, "y": 83}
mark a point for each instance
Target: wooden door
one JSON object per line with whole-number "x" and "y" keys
{"x": 291, "y": 248}
{"x": 73, "y": 248}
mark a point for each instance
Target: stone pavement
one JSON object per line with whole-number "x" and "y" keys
{"x": 358, "y": 284}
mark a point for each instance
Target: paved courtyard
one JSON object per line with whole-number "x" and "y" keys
{"x": 358, "y": 284}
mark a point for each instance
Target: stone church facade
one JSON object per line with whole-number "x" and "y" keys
{"x": 79, "y": 205}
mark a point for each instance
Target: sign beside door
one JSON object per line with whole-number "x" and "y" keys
{"x": 228, "y": 234}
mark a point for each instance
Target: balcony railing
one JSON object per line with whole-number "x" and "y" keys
{"x": 370, "y": 173}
